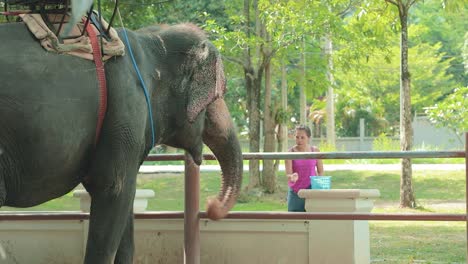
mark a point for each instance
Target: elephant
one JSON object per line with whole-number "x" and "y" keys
{"x": 49, "y": 106}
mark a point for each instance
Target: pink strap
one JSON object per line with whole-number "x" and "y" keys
{"x": 101, "y": 79}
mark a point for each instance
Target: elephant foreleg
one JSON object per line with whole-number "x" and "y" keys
{"x": 2, "y": 191}
{"x": 127, "y": 245}
{"x": 109, "y": 224}
{"x": 2, "y": 202}
{"x": 112, "y": 186}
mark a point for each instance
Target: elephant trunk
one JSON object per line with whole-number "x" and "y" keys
{"x": 219, "y": 135}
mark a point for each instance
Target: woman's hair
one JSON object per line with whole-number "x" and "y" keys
{"x": 304, "y": 128}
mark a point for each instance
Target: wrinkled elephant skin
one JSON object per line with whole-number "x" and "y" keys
{"x": 48, "y": 116}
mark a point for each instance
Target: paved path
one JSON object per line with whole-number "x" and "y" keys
{"x": 327, "y": 167}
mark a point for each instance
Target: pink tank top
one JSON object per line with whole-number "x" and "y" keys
{"x": 304, "y": 168}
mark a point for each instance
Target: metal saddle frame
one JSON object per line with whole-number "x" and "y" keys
{"x": 58, "y": 9}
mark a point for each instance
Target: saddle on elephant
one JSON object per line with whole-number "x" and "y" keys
{"x": 48, "y": 19}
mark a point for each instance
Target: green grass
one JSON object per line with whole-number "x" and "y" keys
{"x": 391, "y": 242}
{"x": 417, "y": 242}
{"x": 431, "y": 187}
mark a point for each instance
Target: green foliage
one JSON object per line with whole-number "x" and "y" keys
{"x": 277, "y": 28}
{"x": 365, "y": 40}
{"x": 446, "y": 25}
{"x": 371, "y": 28}
{"x": 384, "y": 143}
{"x": 452, "y": 111}
{"x": 324, "y": 146}
{"x": 366, "y": 54}
{"x": 2, "y": 18}
{"x": 137, "y": 14}
{"x": 367, "y": 63}
{"x": 235, "y": 100}
{"x": 371, "y": 91}
{"x": 282, "y": 116}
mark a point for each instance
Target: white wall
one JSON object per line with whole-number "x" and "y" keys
{"x": 161, "y": 241}
{"x": 443, "y": 138}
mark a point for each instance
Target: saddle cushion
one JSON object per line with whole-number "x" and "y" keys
{"x": 79, "y": 46}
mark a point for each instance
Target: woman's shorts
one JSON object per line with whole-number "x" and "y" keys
{"x": 295, "y": 203}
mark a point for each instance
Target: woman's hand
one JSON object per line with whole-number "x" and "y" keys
{"x": 293, "y": 177}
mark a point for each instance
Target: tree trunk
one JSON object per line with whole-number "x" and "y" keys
{"x": 330, "y": 109}
{"x": 252, "y": 104}
{"x": 269, "y": 173}
{"x": 283, "y": 128}
{"x": 302, "y": 93}
{"x": 407, "y": 198}
{"x": 253, "y": 96}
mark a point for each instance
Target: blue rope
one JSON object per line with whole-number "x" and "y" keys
{"x": 142, "y": 84}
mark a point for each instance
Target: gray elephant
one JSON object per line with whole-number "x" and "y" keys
{"x": 48, "y": 114}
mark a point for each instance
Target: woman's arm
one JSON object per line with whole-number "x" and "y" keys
{"x": 319, "y": 163}
{"x": 319, "y": 167}
{"x": 292, "y": 176}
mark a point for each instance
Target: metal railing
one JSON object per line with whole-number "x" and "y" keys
{"x": 192, "y": 254}
{"x": 192, "y": 215}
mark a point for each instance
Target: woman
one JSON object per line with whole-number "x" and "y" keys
{"x": 299, "y": 171}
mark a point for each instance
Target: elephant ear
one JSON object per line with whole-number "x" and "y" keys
{"x": 207, "y": 82}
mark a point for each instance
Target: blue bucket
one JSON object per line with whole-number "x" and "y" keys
{"x": 320, "y": 182}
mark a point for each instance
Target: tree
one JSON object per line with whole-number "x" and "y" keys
{"x": 407, "y": 198}
{"x": 370, "y": 91}
{"x": 302, "y": 86}
{"x": 278, "y": 22}
{"x": 281, "y": 114}
{"x": 253, "y": 80}
{"x": 262, "y": 30}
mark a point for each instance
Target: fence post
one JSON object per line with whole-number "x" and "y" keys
{"x": 466, "y": 189}
{"x": 191, "y": 212}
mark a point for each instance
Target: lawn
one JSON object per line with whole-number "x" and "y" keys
{"x": 391, "y": 242}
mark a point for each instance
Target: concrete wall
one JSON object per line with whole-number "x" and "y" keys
{"x": 427, "y": 134}
{"x": 161, "y": 241}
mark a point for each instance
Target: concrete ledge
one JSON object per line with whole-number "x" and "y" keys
{"x": 340, "y": 193}
{"x": 345, "y": 241}
{"x": 139, "y": 204}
